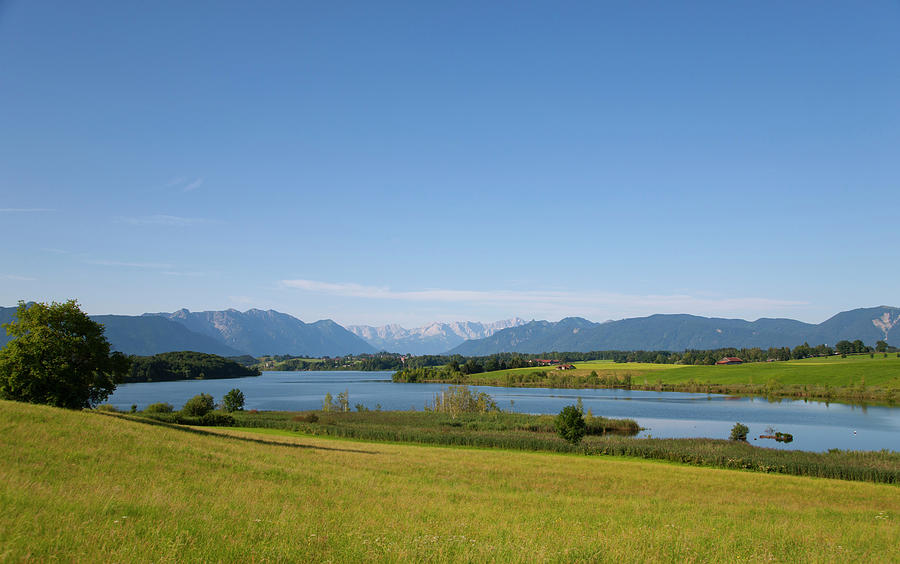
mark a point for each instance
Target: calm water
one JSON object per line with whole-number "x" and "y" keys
{"x": 815, "y": 426}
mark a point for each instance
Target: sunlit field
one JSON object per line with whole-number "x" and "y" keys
{"x": 855, "y": 378}
{"x": 80, "y": 486}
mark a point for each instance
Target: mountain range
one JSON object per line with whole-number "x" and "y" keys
{"x": 227, "y": 333}
{"x": 680, "y": 332}
{"x": 434, "y": 338}
{"x": 265, "y": 332}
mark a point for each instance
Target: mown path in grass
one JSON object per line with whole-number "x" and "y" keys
{"x": 80, "y": 486}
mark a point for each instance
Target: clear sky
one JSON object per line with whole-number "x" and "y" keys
{"x": 405, "y": 162}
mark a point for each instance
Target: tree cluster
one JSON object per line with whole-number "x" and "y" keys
{"x": 856, "y": 347}
{"x": 185, "y": 365}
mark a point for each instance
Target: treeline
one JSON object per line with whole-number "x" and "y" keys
{"x": 185, "y": 365}
{"x": 366, "y": 362}
{"x": 444, "y": 367}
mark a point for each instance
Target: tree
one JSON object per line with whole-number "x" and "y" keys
{"x": 199, "y": 405}
{"x": 739, "y": 432}
{"x": 58, "y": 356}
{"x": 881, "y": 346}
{"x": 570, "y": 424}
{"x": 233, "y": 400}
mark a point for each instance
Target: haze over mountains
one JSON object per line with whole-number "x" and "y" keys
{"x": 258, "y": 332}
{"x": 434, "y": 338}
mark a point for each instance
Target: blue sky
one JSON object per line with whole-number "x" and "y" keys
{"x": 376, "y": 162}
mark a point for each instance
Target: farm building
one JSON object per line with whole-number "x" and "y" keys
{"x": 730, "y": 360}
{"x": 566, "y": 367}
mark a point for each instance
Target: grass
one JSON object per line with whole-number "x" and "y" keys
{"x": 516, "y": 431}
{"x": 855, "y": 378}
{"x": 79, "y": 486}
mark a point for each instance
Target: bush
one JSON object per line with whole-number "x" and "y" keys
{"x": 199, "y": 405}
{"x": 233, "y": 401}
{"x": 160, "y": 407}
{"x": 217, "y": 420}
{"x": 570, "y": 424}
{"x": 739, "y": 432}
{"x": 107, "y": 407}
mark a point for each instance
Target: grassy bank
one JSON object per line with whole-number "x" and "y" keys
{"x": 855, "y": 378}
{"x": 80, "y": 486}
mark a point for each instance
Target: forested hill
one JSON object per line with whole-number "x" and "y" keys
{"x": 681, "y": 332}
{"x": 185, "y": 365}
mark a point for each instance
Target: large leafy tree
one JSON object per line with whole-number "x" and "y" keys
{"x": 58, "y": 356}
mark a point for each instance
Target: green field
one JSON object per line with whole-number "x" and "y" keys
{"x": 518, "y": 431}
{"x": 857, "y": 377}
{"x": 80, "y": 486}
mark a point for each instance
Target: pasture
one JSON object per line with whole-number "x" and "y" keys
{"x": 856, "y": 377}
{"x": 81, "y": 486}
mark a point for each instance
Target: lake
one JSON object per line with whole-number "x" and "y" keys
{"x": 816, "y": 426}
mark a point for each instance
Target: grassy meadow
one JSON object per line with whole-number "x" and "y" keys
{"x": 81, "y": 486}
{"x": 518, "y": 431}
{"x": 857, "y": 377}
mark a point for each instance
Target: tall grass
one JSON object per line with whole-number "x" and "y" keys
{"x": 85, "y": 487}
{"x": 606, "y": 437}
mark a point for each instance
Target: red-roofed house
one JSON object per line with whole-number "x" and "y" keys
{"x": 730, "y": 360}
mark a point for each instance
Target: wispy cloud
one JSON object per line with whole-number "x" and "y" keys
{"x": 196, "y": 183}
{"x": 170, "y": 220}
{"x": 184, "y": 183}
{"x": 26, "y": 210}
{"x": 189, "y": 274}
{"x": 129, "y": 264}
{"x": 18, "y": 278}
{"x": 564, "y": 301}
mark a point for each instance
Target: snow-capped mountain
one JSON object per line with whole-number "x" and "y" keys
{"x": 434, "y": 338}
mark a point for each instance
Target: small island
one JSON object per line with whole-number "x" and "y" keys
{"x": 185, "y": 365}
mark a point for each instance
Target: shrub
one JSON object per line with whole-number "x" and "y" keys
{"x": 108, "y": 407}
{"x": 160, "y": 407}
{"x": 233, "y": 400}
{"x": 739, "y": 432}
{"x": 570, "y": 424}
{"x": 213, "y": 419}
{"x": 199, "y": 405}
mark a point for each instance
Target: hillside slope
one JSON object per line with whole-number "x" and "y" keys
{"x": 80, "y": 486}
